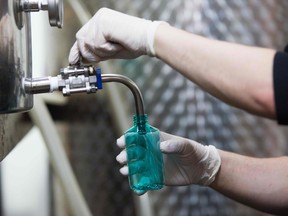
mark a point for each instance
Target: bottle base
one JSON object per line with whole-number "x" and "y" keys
{"x": 140, "y": 187}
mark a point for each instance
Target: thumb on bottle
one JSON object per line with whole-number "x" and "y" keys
{"x": 171, "y": 146}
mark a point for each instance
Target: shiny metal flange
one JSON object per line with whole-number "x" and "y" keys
{"x": 54, "y": 8}
{"x": 56, "y": 12}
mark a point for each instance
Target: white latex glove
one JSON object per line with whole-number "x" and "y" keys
{"x": 186, "y": 161}
{"x": 110, "y": 34}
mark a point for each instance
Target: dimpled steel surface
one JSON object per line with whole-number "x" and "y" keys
{"x": 177, "y": 106}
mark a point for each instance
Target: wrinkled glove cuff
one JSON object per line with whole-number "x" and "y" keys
{"x": 213, "y": 166}
{"x": 151, "y": 37}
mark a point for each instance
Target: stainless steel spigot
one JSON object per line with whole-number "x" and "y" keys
{"x": 82, "y": 79}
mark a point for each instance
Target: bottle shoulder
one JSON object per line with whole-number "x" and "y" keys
{"x": 136, "y": 129}
{"x": 132, "y": 129}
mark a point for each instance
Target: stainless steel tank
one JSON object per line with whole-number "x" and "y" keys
{"x": 15, "y": 58}
{"x": 16, "y": 64}
{"x": 177, "y": 106}
{"x": 15, "y": 49}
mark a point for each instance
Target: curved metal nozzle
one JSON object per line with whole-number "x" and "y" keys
{"x": 80, "y": 80}
{"x": 131, "y": 85}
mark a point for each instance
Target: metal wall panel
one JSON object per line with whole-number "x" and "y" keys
{"x": 177, "y": 106}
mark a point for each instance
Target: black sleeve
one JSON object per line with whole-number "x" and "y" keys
{"x": 280, "y": 84}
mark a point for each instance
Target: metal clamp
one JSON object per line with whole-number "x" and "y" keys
{"x": 54, "y": 8}
{"x": 72, "y": 79}
{"x": 75, "y": 79}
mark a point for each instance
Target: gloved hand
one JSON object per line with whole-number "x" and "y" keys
{"x": 186, "y": 161}
{"x": 111, "y": 34}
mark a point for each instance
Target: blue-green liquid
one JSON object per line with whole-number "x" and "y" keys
{"x": 145, "y": 160}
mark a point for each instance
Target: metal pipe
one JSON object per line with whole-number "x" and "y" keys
{"x": 37, "y": 85}
{"x": 131, "y": 85}
{"x": 45, "y": 85}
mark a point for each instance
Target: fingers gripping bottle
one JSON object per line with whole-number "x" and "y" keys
{"x": 145, "y": 160}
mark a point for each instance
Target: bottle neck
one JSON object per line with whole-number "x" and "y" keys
{"x": 140, "y": 122}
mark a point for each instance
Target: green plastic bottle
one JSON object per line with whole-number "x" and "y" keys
{"x": 145, "y": 160}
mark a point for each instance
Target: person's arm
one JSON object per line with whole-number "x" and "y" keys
{"x": 238, "y": 75}
{"x": 259, "y": 183}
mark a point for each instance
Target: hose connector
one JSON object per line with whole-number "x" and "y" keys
{"x": 82, "y": 79}
{"x": 72, "y": 80}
